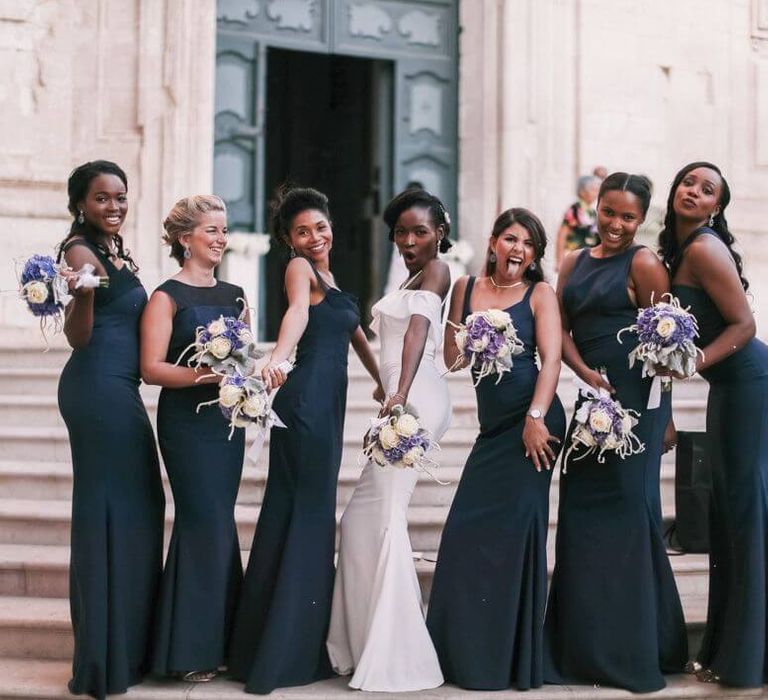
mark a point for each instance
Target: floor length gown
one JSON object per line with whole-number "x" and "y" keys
{"x": 614, "y": 615}
{"x": 735, "y": 644}
{"x": 117, "y": 494}
{"x": 377, "y": 628}
{"x": 203, "y": 570}
{"x": 486, "y": 608}
{"x": 282, "y": 619}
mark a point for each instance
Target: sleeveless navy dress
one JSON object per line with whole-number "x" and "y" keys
{"x": 203, "y": 570}
{"x": 284, "y": 612}
{"x": 614, "y": 615}
{"x": 486, "y": 609}
{"x": 735, "y": 644}
{"x": 117, "y": 494}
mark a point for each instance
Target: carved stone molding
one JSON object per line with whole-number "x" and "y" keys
{"x": 369, "y": 21}
{"x": 420, "y": 28}
{"x": 292, "y": 14}
{"x": 238, "y": 10}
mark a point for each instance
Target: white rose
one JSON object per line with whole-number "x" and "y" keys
{"x": 388, "y": 437}
{"x": 666, "y": 326}
{"x": 229, "y": 395}
{"x": 497, "y": 318}
{"x": 627, "y": 423}
{"x": 217, "y": 327}
{"x": 611, "y": 443}
{"x": 253, "y": 406}
{"x": 220, "y": 347}
{"x": 413, "y": 456}
{"x": 479, "y": 344}
{"x": 36, "y": 292}
{"x": 406, "y": 425}
{"x": 600, "y": 421}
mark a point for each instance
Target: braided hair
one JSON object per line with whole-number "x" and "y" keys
{"x": 669, "y": 247}
{"x": 417, "y": 197}
{"x": 638, "y": 185}
{"x": 77, "y": 188}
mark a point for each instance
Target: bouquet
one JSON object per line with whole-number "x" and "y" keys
{"x": 225, "y": 345}
{"x": 398, "y": 440}
{"x": 488, "y": 340}
{"x": 46, "y": 290}
{"x": 602, "y": 425}
{"x": 665, "y": 333}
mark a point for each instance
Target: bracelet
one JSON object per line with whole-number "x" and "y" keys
{"x": 404, "y": 398}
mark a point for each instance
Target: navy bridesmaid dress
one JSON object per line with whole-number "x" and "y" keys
{"x": 284, "y": 612}
{"x": 735, "y": 645}
{"x": 486, "y": 609}
{"x": 203, "y": 570}
{"x": 117, "y": 494}
{"x": 614, "y": 615}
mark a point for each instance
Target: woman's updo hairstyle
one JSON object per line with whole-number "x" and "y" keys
{"x": 77, "y": 190}
{"x": 531, "y": 223}
{"x": 288, "y": 203}
{"x": 638, "y": 185}
{"x": 669, "y": 248}
{"x": 416, "y": 197}
{"x": 183, "y": 218}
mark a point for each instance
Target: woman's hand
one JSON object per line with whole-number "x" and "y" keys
{"x": 272, "y": 375}
{"x": 536, "y": 439}
{"x": 596, "y": 380}
{"x": 670, "y": 436}
{"x": 379, "y": 395}
{"x": 72, "y": 278}
{"x": 390, "y": 403}
{"x": 666, "y": 372}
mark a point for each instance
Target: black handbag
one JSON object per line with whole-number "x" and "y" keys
{"x": 693, "y": 492}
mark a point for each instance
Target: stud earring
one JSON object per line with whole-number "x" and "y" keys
{"x": 492, "y": 257}
{"x": 81, "y": 218}
{"x": 187, "y": 253}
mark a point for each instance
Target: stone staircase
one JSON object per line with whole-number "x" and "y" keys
{"x": 35, "y": 491}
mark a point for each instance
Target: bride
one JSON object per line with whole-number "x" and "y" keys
{"x": 377, "y": 630}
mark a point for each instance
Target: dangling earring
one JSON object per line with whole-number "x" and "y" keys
{"x": 532, "y": 266}
{"x": 711, "y": 220}
{"x": 187, "y": 253}
{"x": 492, "y": 257}
{"x": 81, "y": 218}
{"x": 292, "y": 254}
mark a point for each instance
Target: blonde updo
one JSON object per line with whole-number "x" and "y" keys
{"x": 184, "y": 216}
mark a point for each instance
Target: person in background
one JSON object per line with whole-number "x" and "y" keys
{"x": 579, "y": 227}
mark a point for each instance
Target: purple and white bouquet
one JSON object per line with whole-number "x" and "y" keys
{"x": 602, "y": 425}
{"x": 398, "y": 440}
{"x": 665, "y": 333}
{"x": 488, "y": 341}
{"x": 244, "y": 401}
{"x": 46, "y": 290}
{"x": 225, "y": 345}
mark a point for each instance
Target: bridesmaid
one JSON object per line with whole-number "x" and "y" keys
{"x": 203, "y": 571}
{"x": 117, "y": 494}
{"x": 282, "y": 618}
{"x": 707, "y": 275}
{"x": 486, "y": 610}
{"x": 614, "y": 615}
{"x": 377, "y": 632}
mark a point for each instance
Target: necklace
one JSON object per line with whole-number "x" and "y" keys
{"x": 408, "y": 282}
{"x": 504, "y": 286}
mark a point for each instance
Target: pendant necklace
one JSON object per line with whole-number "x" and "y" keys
{"x": 410, "y": 280}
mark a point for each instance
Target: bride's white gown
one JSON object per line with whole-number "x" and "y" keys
{"x": 377, "y": 627}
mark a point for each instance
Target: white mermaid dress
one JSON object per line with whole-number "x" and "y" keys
{"x": 377, "y": 630}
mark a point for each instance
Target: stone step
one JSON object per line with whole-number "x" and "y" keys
{"x": 47, "y": 522}
{"x": 41, "y": 571}
{"x": 53, "y": 480}
{"x": 24, "y": 679}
